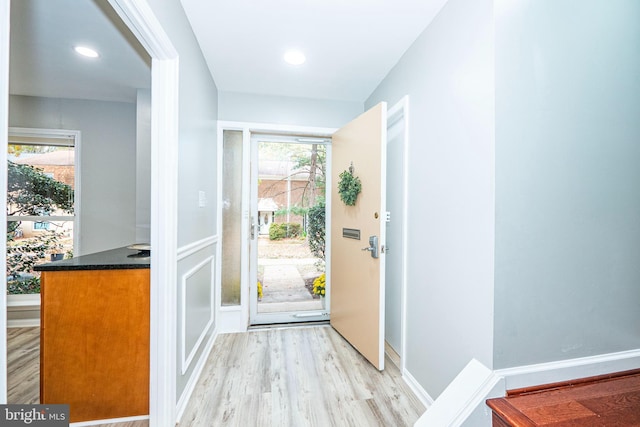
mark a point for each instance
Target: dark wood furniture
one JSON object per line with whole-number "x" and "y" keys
{"x": 607, "y": 400}
{"x": 94, "y": 343}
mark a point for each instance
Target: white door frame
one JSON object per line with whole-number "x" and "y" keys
{"x": 401, "y": 109}
{"x": 256, "y": 318}
{"x": 236, "y": 318}
{"x": 5, "y": 18}
{"x": 140, "y": 19}
{"x": 61, "y": 134}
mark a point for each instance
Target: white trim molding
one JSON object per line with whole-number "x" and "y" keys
{"x": 254, "y": 127}
{"x": 476, "y": 383}
{"x": 195, "y": 376}
{"x": 24, "y": 301}
{"x": 192, "y": 248}
{"x": 140, "y": 19}
{"x": 109, "y": 421}
{"x": 23, "y": 323}
{"x": 164, "y": 230}
{"x": 565, "y": 370}
{"x": 417, "y": 389}
{"x": 188, "y": 355}
{"x": 23, "y": 304}
{"x": 5, "y": 25}
{"x": 462, "y": 396}
{"x": 51, "y": 136}
{"x": 400, "y": 111}
{"x": 236, "y": 318}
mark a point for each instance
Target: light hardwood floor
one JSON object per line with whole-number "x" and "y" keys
{"x": 300, "y": 376}
{"x": 297, "y": 377}
{"x": 23, "y": 365}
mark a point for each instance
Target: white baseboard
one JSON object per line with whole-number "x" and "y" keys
{"x": 468, "y": 392}
{"x": 417, "y": 389}
{"x": 23, "y": 302}
{"x": 565, "y": 370}
{"x": 462, "y": 396}
{"x": 109, "y": 421}
{"x": 23, "y": 311}
{"x": 191, "y": 384}
{"x": 23, "y": 323}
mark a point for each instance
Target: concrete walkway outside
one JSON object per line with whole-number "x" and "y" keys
{"x": 283, "y": 288}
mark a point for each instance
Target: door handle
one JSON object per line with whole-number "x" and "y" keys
{"x": 373, "y": 246}
{"x": 253, "y": 228}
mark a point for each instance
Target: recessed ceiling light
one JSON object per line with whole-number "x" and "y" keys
{"x": 294, "y": 57}
{"x": 86, "y": 51}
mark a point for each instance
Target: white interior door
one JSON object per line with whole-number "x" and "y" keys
{"x": 358, "y": 235}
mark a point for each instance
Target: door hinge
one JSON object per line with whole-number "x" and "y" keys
{"x": 388, "y": 216}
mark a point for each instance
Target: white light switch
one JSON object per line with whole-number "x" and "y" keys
{"x": 202, "y": 199}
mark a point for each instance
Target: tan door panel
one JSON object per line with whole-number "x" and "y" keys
{"x": 357, "y": 278}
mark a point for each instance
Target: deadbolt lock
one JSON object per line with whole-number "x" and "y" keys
{"x": 373, "y": 246}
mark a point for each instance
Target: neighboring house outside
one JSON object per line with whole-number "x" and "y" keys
{"x": 60, "y": 166}
{"x": 282, "y": 187}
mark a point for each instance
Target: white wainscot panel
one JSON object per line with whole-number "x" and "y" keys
{"x": 197, "y": 318}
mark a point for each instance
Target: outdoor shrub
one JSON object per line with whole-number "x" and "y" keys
{"x": 316, "y": 229}
{"x": 23, "y": 255}
{"x": 31, "y": 192}
{"x": 28, "y": 286}
{"x": 295, "y": 230}
{"x": 278, "y": 231}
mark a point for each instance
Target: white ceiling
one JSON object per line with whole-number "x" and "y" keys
{"x": 43, "y": 63}
{"x": 350, "y": 45}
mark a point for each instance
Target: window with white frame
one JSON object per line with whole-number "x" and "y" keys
{"x": 41, "y": 201}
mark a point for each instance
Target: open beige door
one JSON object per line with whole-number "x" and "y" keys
{"x": 357, "y": 268}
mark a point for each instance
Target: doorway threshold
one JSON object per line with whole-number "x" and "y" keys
{"x": 288, "y": 325}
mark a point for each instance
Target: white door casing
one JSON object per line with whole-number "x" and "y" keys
{"x": 237, "y": 318}
{"x": 397, "y": 194}
{"x": 255, "y": 316}
{"x": 5, "y": 25}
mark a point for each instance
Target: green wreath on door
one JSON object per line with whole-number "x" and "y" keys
{"x": 349, "y": 186}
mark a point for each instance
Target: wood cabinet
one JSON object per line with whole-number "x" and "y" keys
{"x": 606, "y": 400}
{"x": 95, "y": 342}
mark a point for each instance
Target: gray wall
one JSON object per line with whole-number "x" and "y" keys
{"x": 567, "y": 179}
{"x": 107, "y": 163}
{"x": 198, "y": 111}
{"x": 286, "y": 110}
{"x": 448, "y": 74}
{"x": 143, "y": 166}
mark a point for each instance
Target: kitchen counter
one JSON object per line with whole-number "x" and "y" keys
{"x": 114, "y": 259}
{"x": 94, "y": 335}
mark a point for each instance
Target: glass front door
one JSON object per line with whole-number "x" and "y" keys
{"x": 288, "y": 181}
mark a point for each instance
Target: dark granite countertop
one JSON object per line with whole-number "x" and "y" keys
{"x": 114, "y": 259}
